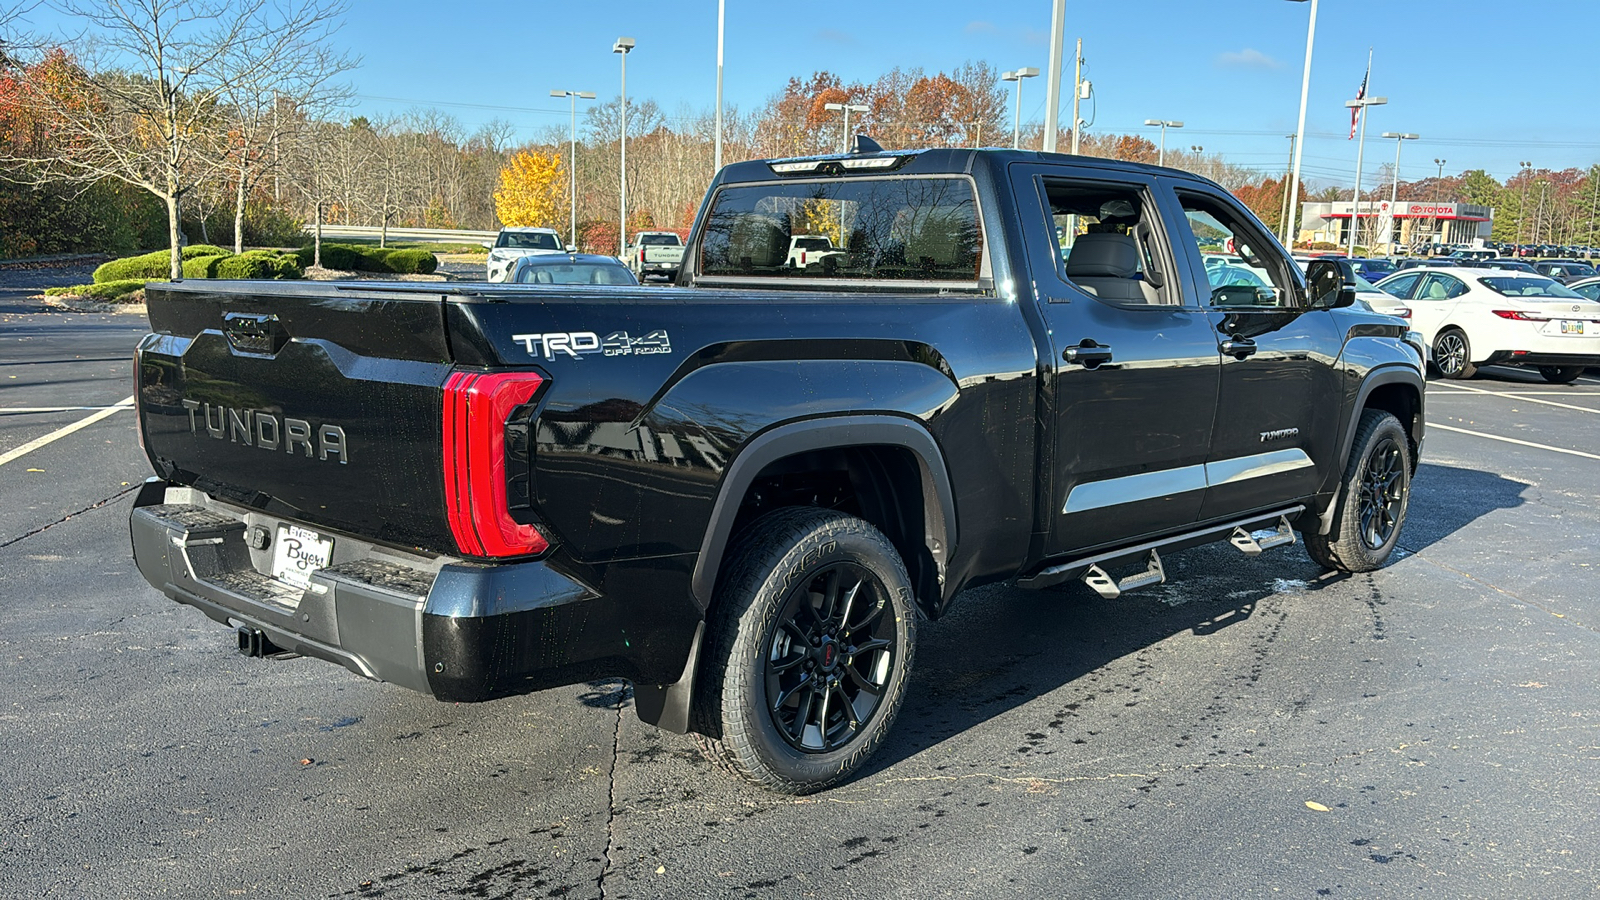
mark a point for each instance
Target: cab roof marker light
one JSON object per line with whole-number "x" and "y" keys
{"x": 788, "y": 167}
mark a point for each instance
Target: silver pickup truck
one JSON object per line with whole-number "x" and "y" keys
{"x": 655, "y": 253}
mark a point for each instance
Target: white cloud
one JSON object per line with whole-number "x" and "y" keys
{"x": 1247, "y": 58}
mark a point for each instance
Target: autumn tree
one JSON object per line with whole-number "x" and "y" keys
{"x": 530, "y": 190}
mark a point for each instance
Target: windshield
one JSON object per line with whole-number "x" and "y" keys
{"x": 1531, "y": 288}
{"x": 660, "y": 240}
{"x": 903, "y": 229}
{"x": 575, "y": 273}
{"x": 528, "y": 240}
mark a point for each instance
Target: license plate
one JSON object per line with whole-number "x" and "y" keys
{"x": 1571, "y": 327}
{"x": 297, "y": 553}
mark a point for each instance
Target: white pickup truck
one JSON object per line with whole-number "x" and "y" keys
{"x": 655, "y": 253}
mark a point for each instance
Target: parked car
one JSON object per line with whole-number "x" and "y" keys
{"x": 1373, "y": 269}
{"x": 1565, "y": 271}
{"x": 1432, "y": 262}
{"x": 812, "y": 249}
{"x": 743, "y": 500}
{"x": 570, "y": 268}
{"x": 514, "y": 243}
{"x": 1588, "y": 287}
{"x": 1472, "y": 253}
{"x": 1473, "y": 317}
{"x": 1510, "y": 265}
{"x": 655, "y": 253}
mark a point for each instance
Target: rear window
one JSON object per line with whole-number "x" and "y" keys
{"x": 575, "y": 273}
{"x": 884, "y": 229}
{"x": 659, "y": 240}
{"x": 1529, "y": 287}
{"x": 525, "y": 240}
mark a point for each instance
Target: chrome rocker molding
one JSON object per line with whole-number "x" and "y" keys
{"x": 1165, "y": 483}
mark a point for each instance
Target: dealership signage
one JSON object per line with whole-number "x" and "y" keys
{"x": 1441, "y": 210}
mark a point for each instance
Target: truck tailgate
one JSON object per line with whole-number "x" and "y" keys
{"x": 316, "y": 403}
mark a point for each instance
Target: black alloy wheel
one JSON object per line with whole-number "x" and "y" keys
{"x": 1383, "y": 493}
{"x": 829, "y": 660}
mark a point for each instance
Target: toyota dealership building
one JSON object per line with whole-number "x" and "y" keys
{"x": 1408, "y": 224}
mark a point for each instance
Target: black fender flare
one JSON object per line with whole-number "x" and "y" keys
{"x": 667, "y": 706}
{"x": 1396, "y": 373}
{"x": 826, "y": 433}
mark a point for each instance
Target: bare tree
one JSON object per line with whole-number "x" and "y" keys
{"x": 145, "y": 103}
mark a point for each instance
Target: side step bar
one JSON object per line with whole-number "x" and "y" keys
{"x": 1085, "y": 566}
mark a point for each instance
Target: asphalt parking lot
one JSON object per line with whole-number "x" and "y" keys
{"x": 1250, "y": 729}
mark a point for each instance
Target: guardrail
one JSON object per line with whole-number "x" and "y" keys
{"x": 447, "y": 235}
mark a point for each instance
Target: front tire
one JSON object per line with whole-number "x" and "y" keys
{"x": 1373, "y": 498}
{"x": 809, "y": 651}
{"x": 1560, "y": 374}
{"x": 1452, "y": 354}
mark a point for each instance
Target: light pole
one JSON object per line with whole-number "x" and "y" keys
{"x": 1285, "y": 232}
{"x": 716, "y": 156}
{"x": 1522, "y": 212}
{"x": 1438, "y": 223}
{"x": 1394, "y": 193}
{"x": 1360, "y": 106}
{"x": 848, "y": 109}
{"x": 1161, "y": 158}
{"x": 572, "y": 154}
{"x": 1017, "y": 76}
{"x": 1300, "y": 129}
{"x": 1052, "y": 84}
{"x": 623, "y": 46}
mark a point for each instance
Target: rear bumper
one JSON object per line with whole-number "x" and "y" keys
{"x": 457, "y": 630}
{"x": 1540, "y": 358}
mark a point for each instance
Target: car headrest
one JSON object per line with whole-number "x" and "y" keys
{"x": 1103, "y": 256}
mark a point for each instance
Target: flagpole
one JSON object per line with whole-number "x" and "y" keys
{"x": 1361, "y": 102}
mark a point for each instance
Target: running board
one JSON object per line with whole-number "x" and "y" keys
{"x": 1078, "y": 567}
{"x": 1111, "y": 588}
{"x": 1247, "y": 543}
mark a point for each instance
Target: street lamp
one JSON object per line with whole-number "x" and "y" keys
{"x": 623, "y": 46}
{"x": 1017, "y": 76}
{"x": 1522, "y": 211}
{"x": 848, "y": 109}
{"x": 572, "y": 157}
{"x": 1360, "y": 106}
{"x": 1394, "y": 193}
{"x": 1438, "y": 184}
{"x": 1300, "y": 130}
{"x": 1161, "y": 159}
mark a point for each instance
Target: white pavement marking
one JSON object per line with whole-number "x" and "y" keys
{"x": 60, "y": 433}
{"x": 1496, "y": 437}
{"x": 5, "y": 410}
{"x": 1473, "y": 390}
{"x": 1438, "y": 390}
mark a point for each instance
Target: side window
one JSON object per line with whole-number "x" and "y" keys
{"x": 1106, "y": 242}
{"x": 1434, "y": 287}
{"x": 1400, "y": 285}
{"x": 1452, "y": 286}
{"x": 1238, "y": 273}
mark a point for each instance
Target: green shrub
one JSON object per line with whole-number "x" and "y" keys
{"x": 108, "y": 290}
{"x": 246, "y": 265}
{"x": 288, "y": 268}
{"x": 412, "y": 262}
{"x": 203, "y": 266}
{"x": 194, "y": 251}
{"x": 157, "y": 264}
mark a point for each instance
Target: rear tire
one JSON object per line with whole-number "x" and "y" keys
{"x": 1452, "y": 354}
{"x": 1372, "y": 501}
{"x": 1561, "y": 374}
{"x": 809, "y": 651}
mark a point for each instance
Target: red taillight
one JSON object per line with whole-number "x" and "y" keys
{"x": 1519, "y": 315}
{"x": 476, "y": 408}
{"x": 1403, "y": 312}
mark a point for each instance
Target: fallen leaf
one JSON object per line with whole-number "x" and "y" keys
{"x": 1312, "y": 804}
{"x": 661, "y": 870}
{"x": 35, "y": 470}
{"x": 305, "y": 762}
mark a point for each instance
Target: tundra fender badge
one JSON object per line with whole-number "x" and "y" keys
{"x": 1279, "y": 435}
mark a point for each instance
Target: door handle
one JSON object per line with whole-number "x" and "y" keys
{"x": 1087, "y": 354}
{"x": 1238, "y": 347}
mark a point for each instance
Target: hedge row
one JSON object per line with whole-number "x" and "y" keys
{"x": 202, "y": 261}
{"x": 107, "y": 290}
{"x": 356, "y": 258}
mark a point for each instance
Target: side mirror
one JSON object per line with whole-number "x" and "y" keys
{"x": 1331, "y": 284}
{"x": 489, "y": 244}
{"x": 571, "y": 249}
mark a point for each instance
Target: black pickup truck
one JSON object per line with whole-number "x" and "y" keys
{"x": 741, "y": 493}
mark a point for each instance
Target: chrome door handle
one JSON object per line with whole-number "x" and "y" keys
{"x": 1238, "y": 348}
{"x": 1088, "y": 354}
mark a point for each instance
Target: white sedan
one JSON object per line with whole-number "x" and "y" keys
{"x": 1479, "y": 317}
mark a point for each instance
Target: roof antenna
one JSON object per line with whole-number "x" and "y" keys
{"x": 865, "y": 144}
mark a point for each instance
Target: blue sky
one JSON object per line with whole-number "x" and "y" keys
{"x": 1483, "y": 86}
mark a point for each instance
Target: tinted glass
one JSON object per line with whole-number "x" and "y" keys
{"x": 1400, "y": 285}
{"x": 575, "y": 273}
{"x": 1592, "y": 291}
{"x": 521, "y": 240}
{"x": 895, "y": 229}
{"x": 1528, "y": 287}
{"x": 660, "y": 240}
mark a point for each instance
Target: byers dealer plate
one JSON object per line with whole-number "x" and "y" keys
{"x": 297, "y": 553}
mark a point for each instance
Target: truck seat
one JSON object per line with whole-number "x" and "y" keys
{"x": 1107, "y": 266}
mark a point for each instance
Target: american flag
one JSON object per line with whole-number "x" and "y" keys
{"x": 1361, "y": 94}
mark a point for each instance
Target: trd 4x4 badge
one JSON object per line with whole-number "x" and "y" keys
{"x": 618, "y": 343}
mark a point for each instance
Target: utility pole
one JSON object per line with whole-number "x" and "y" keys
{"x": 1077, "y": 94}
{"x": 1289, "y": 190}
{"x": 716, "y": 162}
{"x": 1394, "y": 192}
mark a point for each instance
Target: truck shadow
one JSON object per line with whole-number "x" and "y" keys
{"x": 1002, "y": 647}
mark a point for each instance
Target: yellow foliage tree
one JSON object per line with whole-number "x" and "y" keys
{"x": 530, "y": 191}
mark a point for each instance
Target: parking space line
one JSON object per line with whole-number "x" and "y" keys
{"x": 1496, "y": 437}
{"x": 1473, "y": 390}
{"x": 19, "y": 410}
{"x": 60, "y": 433}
